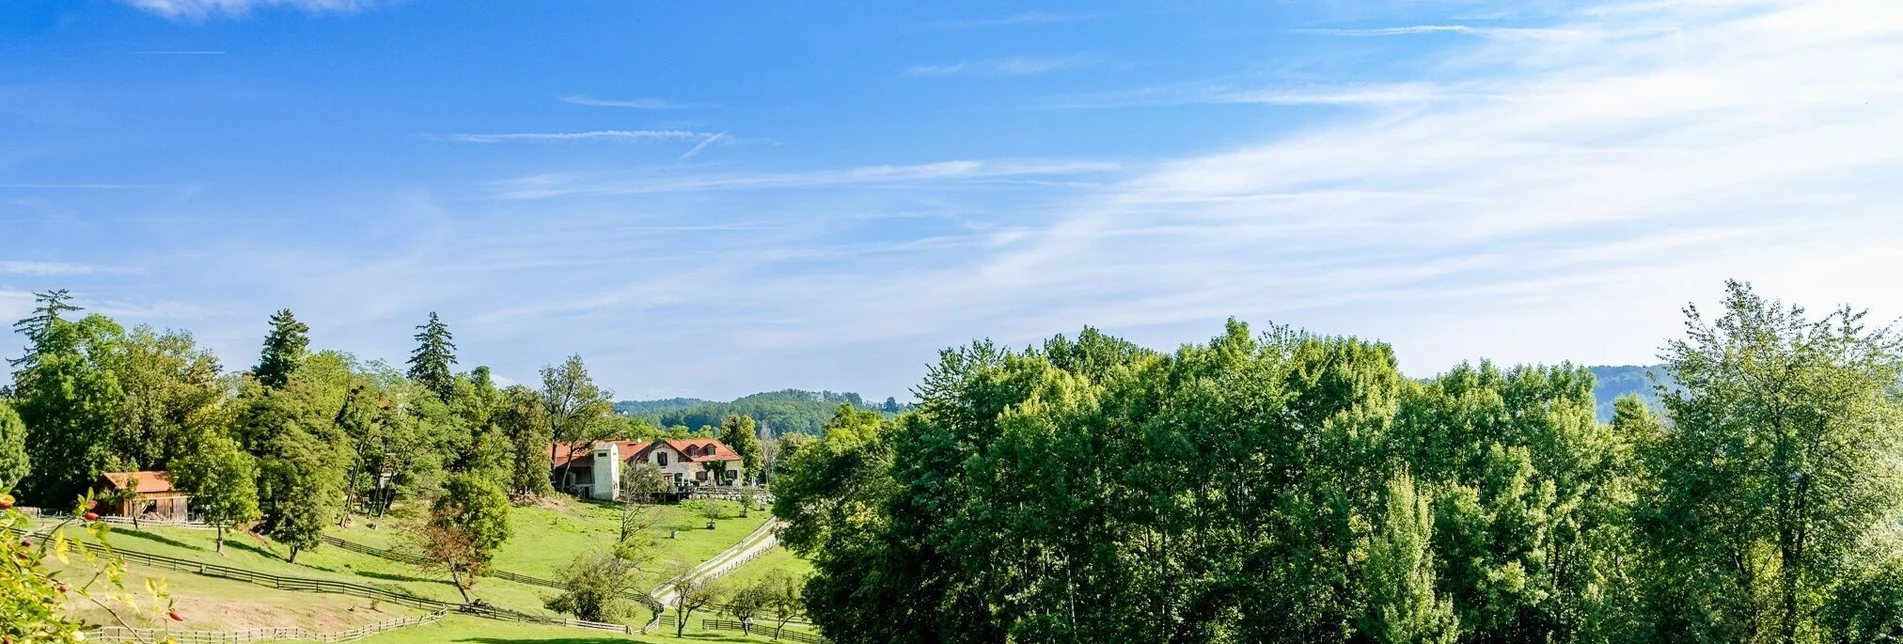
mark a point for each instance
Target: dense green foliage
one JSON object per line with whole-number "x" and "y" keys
{"x": 467, "y": 524}
{"x": 1285, "y": 487}
{"x": 740, "y": 434}
{"x": 222, "y": 481}
{"x": 789, "y": 411}
{"x": 14, "y": 462}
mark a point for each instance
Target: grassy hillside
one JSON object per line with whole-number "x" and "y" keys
{"x": 261, "y": 555}
{"x": 547, "y": 539}
{"x": 470, "y": 630}
{"x": 778, "y": 558}
{"x": 210, "y": 604}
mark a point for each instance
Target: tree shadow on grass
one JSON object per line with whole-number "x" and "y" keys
{"x": 157, "y": 538}
{"x": 394, "y": 577}
{"x": 252, "y": 548}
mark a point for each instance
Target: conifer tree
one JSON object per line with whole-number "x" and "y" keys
{"x": 434, "y": 354}
{"x": 284, "y": 349}
{"x": 35, "y": 328}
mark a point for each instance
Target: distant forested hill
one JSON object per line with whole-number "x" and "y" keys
{"x": 796, "y": 411}
{"x": 789, "y": 411}
{"x": 1619, "y": 381}
{"x": 652, "y": 409}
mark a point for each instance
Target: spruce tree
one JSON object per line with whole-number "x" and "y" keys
{"x": 434, "y": 354}
{"x": 284, "y": 350}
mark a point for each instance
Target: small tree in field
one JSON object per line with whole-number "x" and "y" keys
{"x": 596, "y": 587}
{"x": 222, "y": 480}
{"x": 749, "y": 602}
{"x": 691, "y": 594}
{"x": 783, "y": 598}
{"x": 466, "y": 526}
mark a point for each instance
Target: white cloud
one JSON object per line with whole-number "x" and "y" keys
{"x": 705, "y": 143}
{"x": 596, "y": 135}
{"x": 1470, "y": 30}
{"x": 631, "y": 103}
{"x": 567, "y": 185}
{"x": 1524, "y": 210}
{"x": 192, "y": 9}
{"x": 1011, "y": 66}
{"x": 49, "y": 268}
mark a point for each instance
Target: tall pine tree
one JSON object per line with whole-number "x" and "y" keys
{"x": 434, "y": 354}
{"x": 284, "y": 350}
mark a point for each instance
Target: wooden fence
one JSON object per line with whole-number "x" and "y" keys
{"x": 716, "y": 624}
{"x": 191, "y": 523}
{"x": 123, "y": 634}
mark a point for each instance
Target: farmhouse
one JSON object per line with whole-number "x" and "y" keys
{"x": 142, "y": 494}
{"x": 593, "y": 470}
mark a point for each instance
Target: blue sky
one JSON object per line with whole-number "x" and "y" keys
{"x": 715, "y": 198}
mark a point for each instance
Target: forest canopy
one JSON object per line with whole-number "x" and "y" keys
{"x": 1280, "y": 486}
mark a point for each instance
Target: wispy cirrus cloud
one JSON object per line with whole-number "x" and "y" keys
{"x": 706, "y": 143}
{"x": 194, "y": 9}
{"x": 630, "y": 103}
{"x": 1357, "y": 94}
{"x": 592, "y": 135}
{"x": 1009, "y": 66}
{"x": 568, "y": 185}
{"x": 8, "y": 267}
{"x": 1470, "y": 30}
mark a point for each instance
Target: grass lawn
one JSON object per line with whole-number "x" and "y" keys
{"x": 259, "y": 554}
{"x": 475, "y": 631}
{"x": 210, "y": 604}
{"x": 779, "y": 558}
{"x": 546, "y": 539}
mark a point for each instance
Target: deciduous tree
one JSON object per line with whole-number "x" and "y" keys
{"x": 465, "y": 528}
{"x": 222, "y": 481}
{"x": 1779, "y": 466}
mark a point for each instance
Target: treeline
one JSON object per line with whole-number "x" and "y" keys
{"x": 1286, "y": 487}
{"x": 788, "y": 411}
{"x": 297, "y": 440}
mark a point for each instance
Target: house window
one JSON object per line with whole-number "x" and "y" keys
{"x": 701, "y": 475}
{"x": 692, "y": 451}
{"x": 709, "y": 451}
{"x": 660, "y": 458}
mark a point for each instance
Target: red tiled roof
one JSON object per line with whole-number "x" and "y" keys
{"x": 581, "y": 454}
{"x": 148, "y": 482}
{"x": 721, "y": 451}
